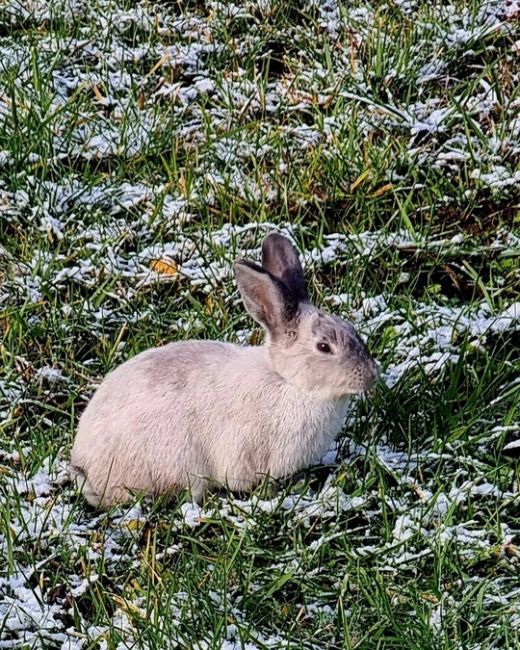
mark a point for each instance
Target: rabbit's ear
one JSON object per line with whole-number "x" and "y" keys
{"x": 280, "y": 258}
{"x": 266, "y": 299}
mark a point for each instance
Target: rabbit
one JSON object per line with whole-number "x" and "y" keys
{"x": 202, "y": 414}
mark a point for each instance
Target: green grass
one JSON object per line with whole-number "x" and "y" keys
{"x": 116, "y": 152}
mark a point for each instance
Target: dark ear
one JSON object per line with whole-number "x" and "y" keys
{"x": 266, "y": 299}
{"x": 280, "y": 258}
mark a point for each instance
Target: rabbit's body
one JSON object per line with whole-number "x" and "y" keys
{"x": 201, "y": 413}
{"x": 176, "y": 431}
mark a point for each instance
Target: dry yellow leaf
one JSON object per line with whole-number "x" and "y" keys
{"x": 359, "y": 180}
{"x": 210, "y": 305}
{"x": 165, "y": 267}
{"x": 431, "y": 598}
{"x": 382, "y": 190}
{"x": 127, "y": 606}
{"x": 165, "y": 57}
{"x": 134, "y": 524}
{"x": 97, "y": 93}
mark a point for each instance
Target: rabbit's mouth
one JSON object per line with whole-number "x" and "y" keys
{"x": 364, "y": 378}
{"x": 374, "y": 375}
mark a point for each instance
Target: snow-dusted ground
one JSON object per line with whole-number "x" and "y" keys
{"x": 99, "y": 223}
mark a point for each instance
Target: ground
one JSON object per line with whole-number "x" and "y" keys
{"x": 143, "y": 148}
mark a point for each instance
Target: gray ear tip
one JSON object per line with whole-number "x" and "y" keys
{"x": 275, "y": 241}
{"x": 274, "y": 236}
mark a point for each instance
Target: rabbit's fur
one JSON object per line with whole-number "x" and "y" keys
{"x": 195, "y": 414}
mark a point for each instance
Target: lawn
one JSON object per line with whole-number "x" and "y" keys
{"x": 143, "y": 148}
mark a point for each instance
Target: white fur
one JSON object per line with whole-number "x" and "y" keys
{"x": 142, "y": 432}
{"x": 202, "y": 413}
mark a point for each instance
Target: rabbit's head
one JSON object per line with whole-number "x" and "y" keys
{"x": 320, "y": 353}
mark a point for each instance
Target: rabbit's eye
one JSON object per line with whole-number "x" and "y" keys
{"x": 324, "y": 347}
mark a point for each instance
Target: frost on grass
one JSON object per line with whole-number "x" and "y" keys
{"x": 145, "y": 89}
{"x": 105, "y": 213}
{"x": 428, "y": 338}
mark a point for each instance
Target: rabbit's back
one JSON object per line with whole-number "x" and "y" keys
{"x": 146, "y": 423}
{"x": 176, "y": 416}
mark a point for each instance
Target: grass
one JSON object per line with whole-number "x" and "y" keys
{"x": 172, "y": 136}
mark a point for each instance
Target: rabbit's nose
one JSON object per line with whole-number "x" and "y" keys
{"x": 372, "y": 374}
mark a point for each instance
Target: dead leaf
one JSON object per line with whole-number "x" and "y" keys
{"x": 382, "y": 190}
{"x": 165, "y": 267}
{"x": 97, "y": 93}
{"x": 359, "y": 180}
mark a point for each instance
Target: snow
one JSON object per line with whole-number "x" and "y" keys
{"x": 497, "y": 177}
{"x": 110, "y": 233}
{"x": 52, "y": 375}
{"x": 23, "y": 608}
{"x": 514, "y": 444}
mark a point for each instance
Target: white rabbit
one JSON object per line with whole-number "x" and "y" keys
{"x": 197, "y": 414}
